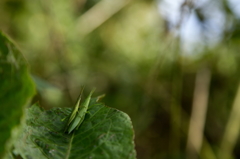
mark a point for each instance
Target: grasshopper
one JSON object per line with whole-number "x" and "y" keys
{"x": 77, "y": 116}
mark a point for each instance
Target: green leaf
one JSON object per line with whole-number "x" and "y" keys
{"x": 105, "y": 133}
{"x": 16, "y": 88}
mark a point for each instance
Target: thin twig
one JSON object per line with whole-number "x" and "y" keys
{"x": 198, "y": 115}
{"x": 98, "y": 14}
{"x": 232, "y": 129}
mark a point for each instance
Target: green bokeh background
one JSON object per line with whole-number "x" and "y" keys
{"x": 132, "y": 57}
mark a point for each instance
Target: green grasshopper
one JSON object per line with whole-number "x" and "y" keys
{"x": 77, "y": 116}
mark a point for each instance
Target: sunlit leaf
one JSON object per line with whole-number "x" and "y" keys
{"x": 16, "y": 88}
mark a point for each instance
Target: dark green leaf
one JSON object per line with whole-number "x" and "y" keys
{"x": 106, "y": 133}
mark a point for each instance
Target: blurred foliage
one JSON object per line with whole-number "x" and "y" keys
{"x": 132, "y": 55}
{"x": 16, "y": 87}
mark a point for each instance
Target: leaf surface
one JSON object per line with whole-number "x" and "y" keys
{"x": 16, "y": 88}
{"x": 105, "y": 133}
